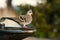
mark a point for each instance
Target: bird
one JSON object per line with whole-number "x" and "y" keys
{"x": 22, "y": 20}
{"x": 26, "y": 19}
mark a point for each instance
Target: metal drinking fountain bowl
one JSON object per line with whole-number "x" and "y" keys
{"x": 14, "y": 31}
{"x": 10, "y": 29}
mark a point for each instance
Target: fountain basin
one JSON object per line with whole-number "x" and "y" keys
{"x": 11, "y": 30}
{"x": 15, "y": 34}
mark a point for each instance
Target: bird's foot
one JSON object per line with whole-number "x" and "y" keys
{"x": 25, "y": 27}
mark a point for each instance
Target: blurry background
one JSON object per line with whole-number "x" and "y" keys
{"x": 46, "y": 16}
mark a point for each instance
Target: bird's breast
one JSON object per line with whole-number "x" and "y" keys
{"x": 28, "y": 18}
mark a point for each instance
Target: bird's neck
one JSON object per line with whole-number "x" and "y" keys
{"x": 28, "y": 14}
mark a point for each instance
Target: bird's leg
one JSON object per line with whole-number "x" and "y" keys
{"x": 24, "y": 26}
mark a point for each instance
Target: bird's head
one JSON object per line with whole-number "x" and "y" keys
{"x": 29, "y": 12}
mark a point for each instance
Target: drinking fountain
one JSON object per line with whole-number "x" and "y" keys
{"x": 10, "y": 29}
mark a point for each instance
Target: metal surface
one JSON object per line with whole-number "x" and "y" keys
{"x": 15, "y": 34}
{"x": 18, "y": 31}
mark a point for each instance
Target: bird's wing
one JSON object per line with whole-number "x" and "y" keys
{"x": 22, "y": 18}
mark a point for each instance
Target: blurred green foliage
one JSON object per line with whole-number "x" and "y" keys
{"x": 46, "y": 18}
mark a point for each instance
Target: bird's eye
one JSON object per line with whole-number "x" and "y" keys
{"x": 30, "y": 12}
